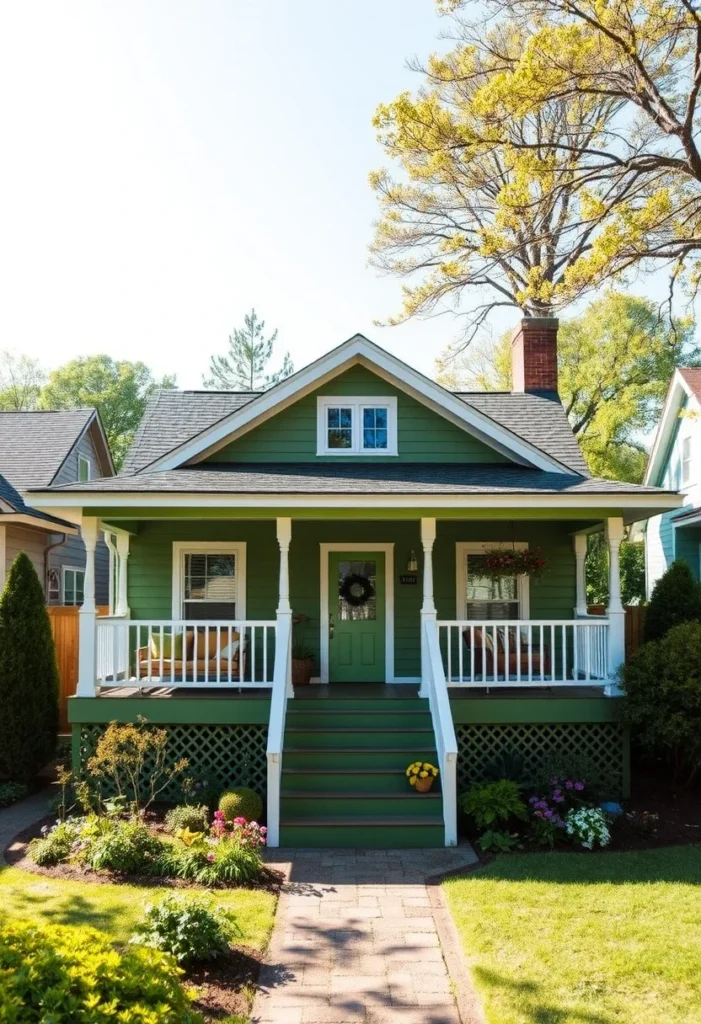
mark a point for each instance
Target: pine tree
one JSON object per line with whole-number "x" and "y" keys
{"x": 28, "y": 675}
{"x": 676, "y": 598}
{"x": 243, "y": 368}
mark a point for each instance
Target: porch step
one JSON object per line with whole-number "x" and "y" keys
{"x": 343, "y": 774}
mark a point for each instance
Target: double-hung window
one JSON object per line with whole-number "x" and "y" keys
{"x": 209, "y": 580}
{"x": 686, "y": 460}
{"x": 73, "y": 581}
{"x": 481, "y": 597}
{"x": 356, "y": 426}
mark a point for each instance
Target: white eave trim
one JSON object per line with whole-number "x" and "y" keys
{"x": 18, "y": 519}
{"x": 50, "y": 500}
{"x": 358, "y": 350}
{"x": 678, "y": 389}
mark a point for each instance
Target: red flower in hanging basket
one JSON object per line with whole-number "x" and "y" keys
{"x": 500, "y": 562}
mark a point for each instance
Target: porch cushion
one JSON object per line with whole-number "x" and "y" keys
{"x": 172, "y": 646}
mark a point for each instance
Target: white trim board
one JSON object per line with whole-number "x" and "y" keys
{"x": 463, "y": 548}
{"x": 183, "y": 547}
{"x": 358, "y": 350}
{"x": 324, "y": 552}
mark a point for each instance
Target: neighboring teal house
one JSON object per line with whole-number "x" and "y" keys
{"x": 675, "y": 464}
{"x": 367, "y": 505}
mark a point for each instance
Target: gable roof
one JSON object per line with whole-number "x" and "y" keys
{"x": 181, "y": 428}
{"x": 13, "y": 504}
{"x": 685, "y": 385}
{"x": 34, "y": 445}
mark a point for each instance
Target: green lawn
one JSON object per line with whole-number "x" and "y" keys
{"x": 611, "y": 938}
{"x": 114, "y": 909}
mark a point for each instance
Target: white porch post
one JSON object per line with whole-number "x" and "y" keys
{"x": 87, "y": 664}
{"x": 428, "y": 608}
{"x": 284, "y": 609}
{"x": 615, "y": 611}
{"x": 122, "y": 606}
{"x": 580, "y": 554}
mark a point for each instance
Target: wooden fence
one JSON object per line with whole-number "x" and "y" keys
{"x": 635, "y": 623}
{"x": 64, "y": 626}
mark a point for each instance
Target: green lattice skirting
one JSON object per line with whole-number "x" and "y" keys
{"x": 601, "y": 742}
{"x": 233, "y": 754}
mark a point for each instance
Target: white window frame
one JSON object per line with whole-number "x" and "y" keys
{"x": 356, "y": 403}
{"x": 65, "y": 570}
{"x": 83, "y": 460}
{"x": 463, "y": 550}
{"x": 686, "y": 460}
{"x": 213, "y": 547}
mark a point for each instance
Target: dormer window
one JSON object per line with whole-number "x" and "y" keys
{"x": 356, "y": 426}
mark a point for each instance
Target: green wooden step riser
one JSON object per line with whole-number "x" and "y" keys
{"x": 392, "y": 837}
{"x": 357, "y": 704}
{"x": 417, "y": 805}
{"x": 322, "y": 780}
{"x": 358, "y": 719}
{"x": 351, "y": 738}
{"x": 365, "y": 758}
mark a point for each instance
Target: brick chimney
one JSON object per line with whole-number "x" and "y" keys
{"x": 534, "y": 356}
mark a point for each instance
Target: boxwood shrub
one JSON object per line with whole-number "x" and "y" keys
{"x": 59, "y": 973}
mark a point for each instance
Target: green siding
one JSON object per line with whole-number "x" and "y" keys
{"x": 150, "y": 569}
{"x": 423, "y": 435}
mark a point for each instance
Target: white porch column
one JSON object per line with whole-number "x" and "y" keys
{"x": 580, "y": 554}
{"x": 284, "y": 609}
{"x": 615, "y": 611}
{"x": 87, "y": 664}
{"x": 428, "y": 608}
{"x": 121, "y": 605}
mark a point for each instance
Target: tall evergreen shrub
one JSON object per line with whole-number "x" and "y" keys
{"x": 28, "y": 675}
{"x": 676, "y": 598}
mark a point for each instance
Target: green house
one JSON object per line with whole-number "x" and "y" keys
{"x": 318, "y": 585}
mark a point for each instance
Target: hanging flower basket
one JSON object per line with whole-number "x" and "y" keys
{"x": 500, "y": 562}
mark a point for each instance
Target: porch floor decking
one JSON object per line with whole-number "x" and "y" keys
{"x": 352, "y": 691}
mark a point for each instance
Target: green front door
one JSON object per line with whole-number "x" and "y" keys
{"x": 357, "y": 617}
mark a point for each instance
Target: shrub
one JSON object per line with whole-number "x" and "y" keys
{"x": 55, "y": 845}
{"x": 643, "y": 823}
{"x": 133, "y": 760}
{"x": 28, "y": 675}
{"x": 12, "y": 792}
{"x": 676, "y": 598}
{"x": 202, "y": 788}
{"x": 241, "y": 803}
{"x": 196, "y": 819}
{"x": 491, "y": 803}
{"x": 508, "y": 764}
{"x": 494, "y": 841}
{"x": 123, "y": 846}
{"x": 588, "y": 827}
{"x": 662, "y": 697}
{"x": 59, "y": 973}
{"x": 189, "y": 928}
{"x": 222, "y": 862}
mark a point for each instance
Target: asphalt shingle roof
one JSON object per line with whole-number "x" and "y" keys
{"x": 13, "y": 498}
{"x": 369, "y": 478}
{"x": 692, "y": 376}
{"x": 34, "y": 445}
{"x": 173, "y": 417}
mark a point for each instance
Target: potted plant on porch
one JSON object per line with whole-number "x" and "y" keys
{"x": 302, "y": 657}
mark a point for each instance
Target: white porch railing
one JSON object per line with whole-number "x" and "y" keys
{"x": 549, "y": 652}
{"x": 184, "y": 653}
{"x": 282, "y": 689}
{"x": 443, "y": 728}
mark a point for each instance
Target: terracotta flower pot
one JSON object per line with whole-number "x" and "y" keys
{"x": 423, "y": 785}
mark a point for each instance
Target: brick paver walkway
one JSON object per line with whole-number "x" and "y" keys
{"x": 355, "y": 939}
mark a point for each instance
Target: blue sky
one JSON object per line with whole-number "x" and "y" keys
{"x": 168, "y": 164}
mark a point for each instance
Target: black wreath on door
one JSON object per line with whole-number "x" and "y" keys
{"x": 356, "y": 590}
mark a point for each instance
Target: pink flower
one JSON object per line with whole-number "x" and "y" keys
{"x": 219, "y": 815}
{"x": 210, "y": 858}
{"x": 239, "y": 821}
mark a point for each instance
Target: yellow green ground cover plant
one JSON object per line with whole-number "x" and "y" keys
{"x": 563, "y": 938}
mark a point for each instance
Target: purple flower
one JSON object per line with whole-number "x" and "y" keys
{"x": 569, "y": 784}
{"x": 579, "y": 786}
{"x": 548, "y": 815}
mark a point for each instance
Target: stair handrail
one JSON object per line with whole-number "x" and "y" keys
{"x": 282, "y": 686}
{"x": 443, "y": 728}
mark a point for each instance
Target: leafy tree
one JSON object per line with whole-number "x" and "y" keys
{"x": 244, "y": 366}
{"x": 28, "y": 675}
{"x": 632, "y": 566}
{"x": 615, "y": 362}
{"x": 662, "y": 698}
{"x": 21, "y": 379}
{"x": 479, "y": 207}
{"x": 675, "y": 598}
{"x": 644, "y": 57}
{"x": 118, "y": 389}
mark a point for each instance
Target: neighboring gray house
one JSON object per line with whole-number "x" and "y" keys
{"x": 675, "y": 464}
{"x": 38, "y": 449}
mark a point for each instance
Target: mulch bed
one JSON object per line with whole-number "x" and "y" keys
{"x": 225, "y": 986}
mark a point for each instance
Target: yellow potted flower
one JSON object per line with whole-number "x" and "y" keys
{"x": 421, "y": 775}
